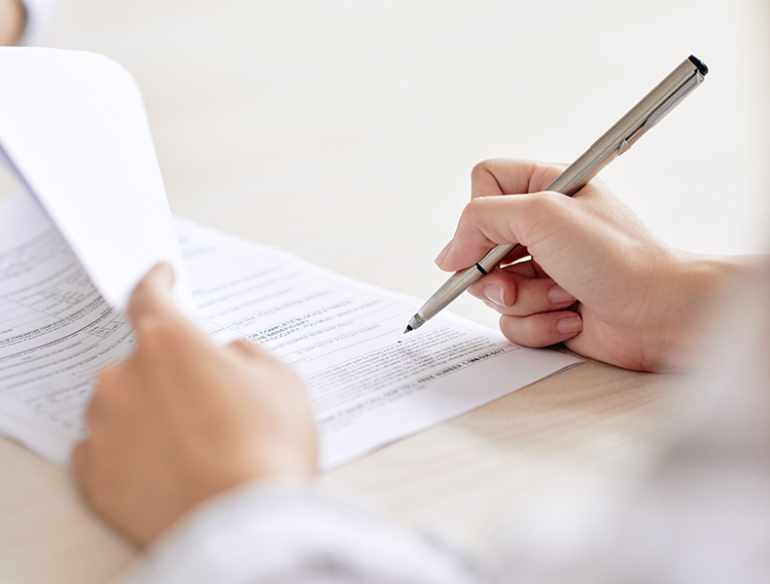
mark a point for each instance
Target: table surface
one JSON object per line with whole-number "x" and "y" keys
{"x": 345, "y": 132}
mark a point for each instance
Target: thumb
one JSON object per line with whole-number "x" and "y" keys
{"x": 152, "y": 296}
{"x": 161, "y": 330}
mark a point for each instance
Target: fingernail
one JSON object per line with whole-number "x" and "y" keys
{"x": 444, "y": 253}
{"x": 494, "y": 294}
{"x": 569, "y": 325}
{"x": 558, "y": 296}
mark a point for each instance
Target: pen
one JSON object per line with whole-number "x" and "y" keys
{"x": 616, "y": 141}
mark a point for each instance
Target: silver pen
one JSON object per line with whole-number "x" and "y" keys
{"x": 617, "y": 140}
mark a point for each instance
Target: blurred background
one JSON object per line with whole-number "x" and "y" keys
{"x": 344, "y": 131}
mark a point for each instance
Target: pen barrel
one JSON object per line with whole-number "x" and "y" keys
{"x": 652, "y": 108}
{"x": 496, "y": 255}
{"x": 579, "y": 173}
{"x": 449, "y": 291}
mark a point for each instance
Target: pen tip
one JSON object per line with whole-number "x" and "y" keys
{"x": 408, "y": 329}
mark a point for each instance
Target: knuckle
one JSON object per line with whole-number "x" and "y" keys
{"x": 548, "y": 171}
{"x": 474, "y": 210}
{"x": 480, "y": 169}
{"x": 148, "y": 327}
{"x": 545, "y": 204}
{"x": 154, "y": 334}
{"x": 490, "y": 168}
{"x": 543, "y": 211}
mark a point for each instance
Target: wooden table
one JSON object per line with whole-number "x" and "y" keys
{"x": 345, "y": 132}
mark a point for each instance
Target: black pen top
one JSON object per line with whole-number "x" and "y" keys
{"x": 699, "y": 64}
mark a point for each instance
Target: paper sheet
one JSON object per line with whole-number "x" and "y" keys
{"x": 74, "y": 132}
{"x": 368, "y": 384}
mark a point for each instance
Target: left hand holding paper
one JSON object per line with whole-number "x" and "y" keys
{"x": 184, "y": 419}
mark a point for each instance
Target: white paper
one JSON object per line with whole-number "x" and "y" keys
{"x": 74, "y": 131}
{"x": 368, "y": 384}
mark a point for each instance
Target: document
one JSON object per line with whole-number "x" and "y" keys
{"x": 74, "y": 132}
{"x": 368, "y": 384}
{"x": 94, "y": 218}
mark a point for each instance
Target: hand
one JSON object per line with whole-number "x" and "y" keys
{"x": 598, "y": 280}
{"x": 184, "y": 419}
{"x": 12, "y": 17}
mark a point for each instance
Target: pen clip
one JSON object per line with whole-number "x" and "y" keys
{"x": 662, "y": 110}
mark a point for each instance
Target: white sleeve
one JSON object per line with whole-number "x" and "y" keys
{"x": 301, "y": 535}
{"x": 40, "y": 16}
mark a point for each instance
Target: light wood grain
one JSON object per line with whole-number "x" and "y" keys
{"x": 345, "y": 132}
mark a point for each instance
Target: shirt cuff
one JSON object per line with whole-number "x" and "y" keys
{"x": 296, "y": 534}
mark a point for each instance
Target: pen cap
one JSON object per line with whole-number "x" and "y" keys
{"x": 704, "y": 70}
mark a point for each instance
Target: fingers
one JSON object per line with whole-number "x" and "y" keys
{"x": 493, "y": 218}
{"x": 490, "y": 221}
{"x": 507, "y": 176}
{"x": 510, "y": 292}
{"x": 152, "y": 296}
{"x": 533, "y": 308}
{"x": 541, "y": 330}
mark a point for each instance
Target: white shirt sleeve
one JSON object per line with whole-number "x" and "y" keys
{"x": 300, "y": 535}
{"x": 40, "y": 17}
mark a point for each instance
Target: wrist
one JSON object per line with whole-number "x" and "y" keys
{"x": 691, "y": 288}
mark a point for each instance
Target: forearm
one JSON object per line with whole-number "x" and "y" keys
{"x": 12, "y": 18}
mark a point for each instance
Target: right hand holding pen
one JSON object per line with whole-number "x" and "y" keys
{"x": 599, "y": 281}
